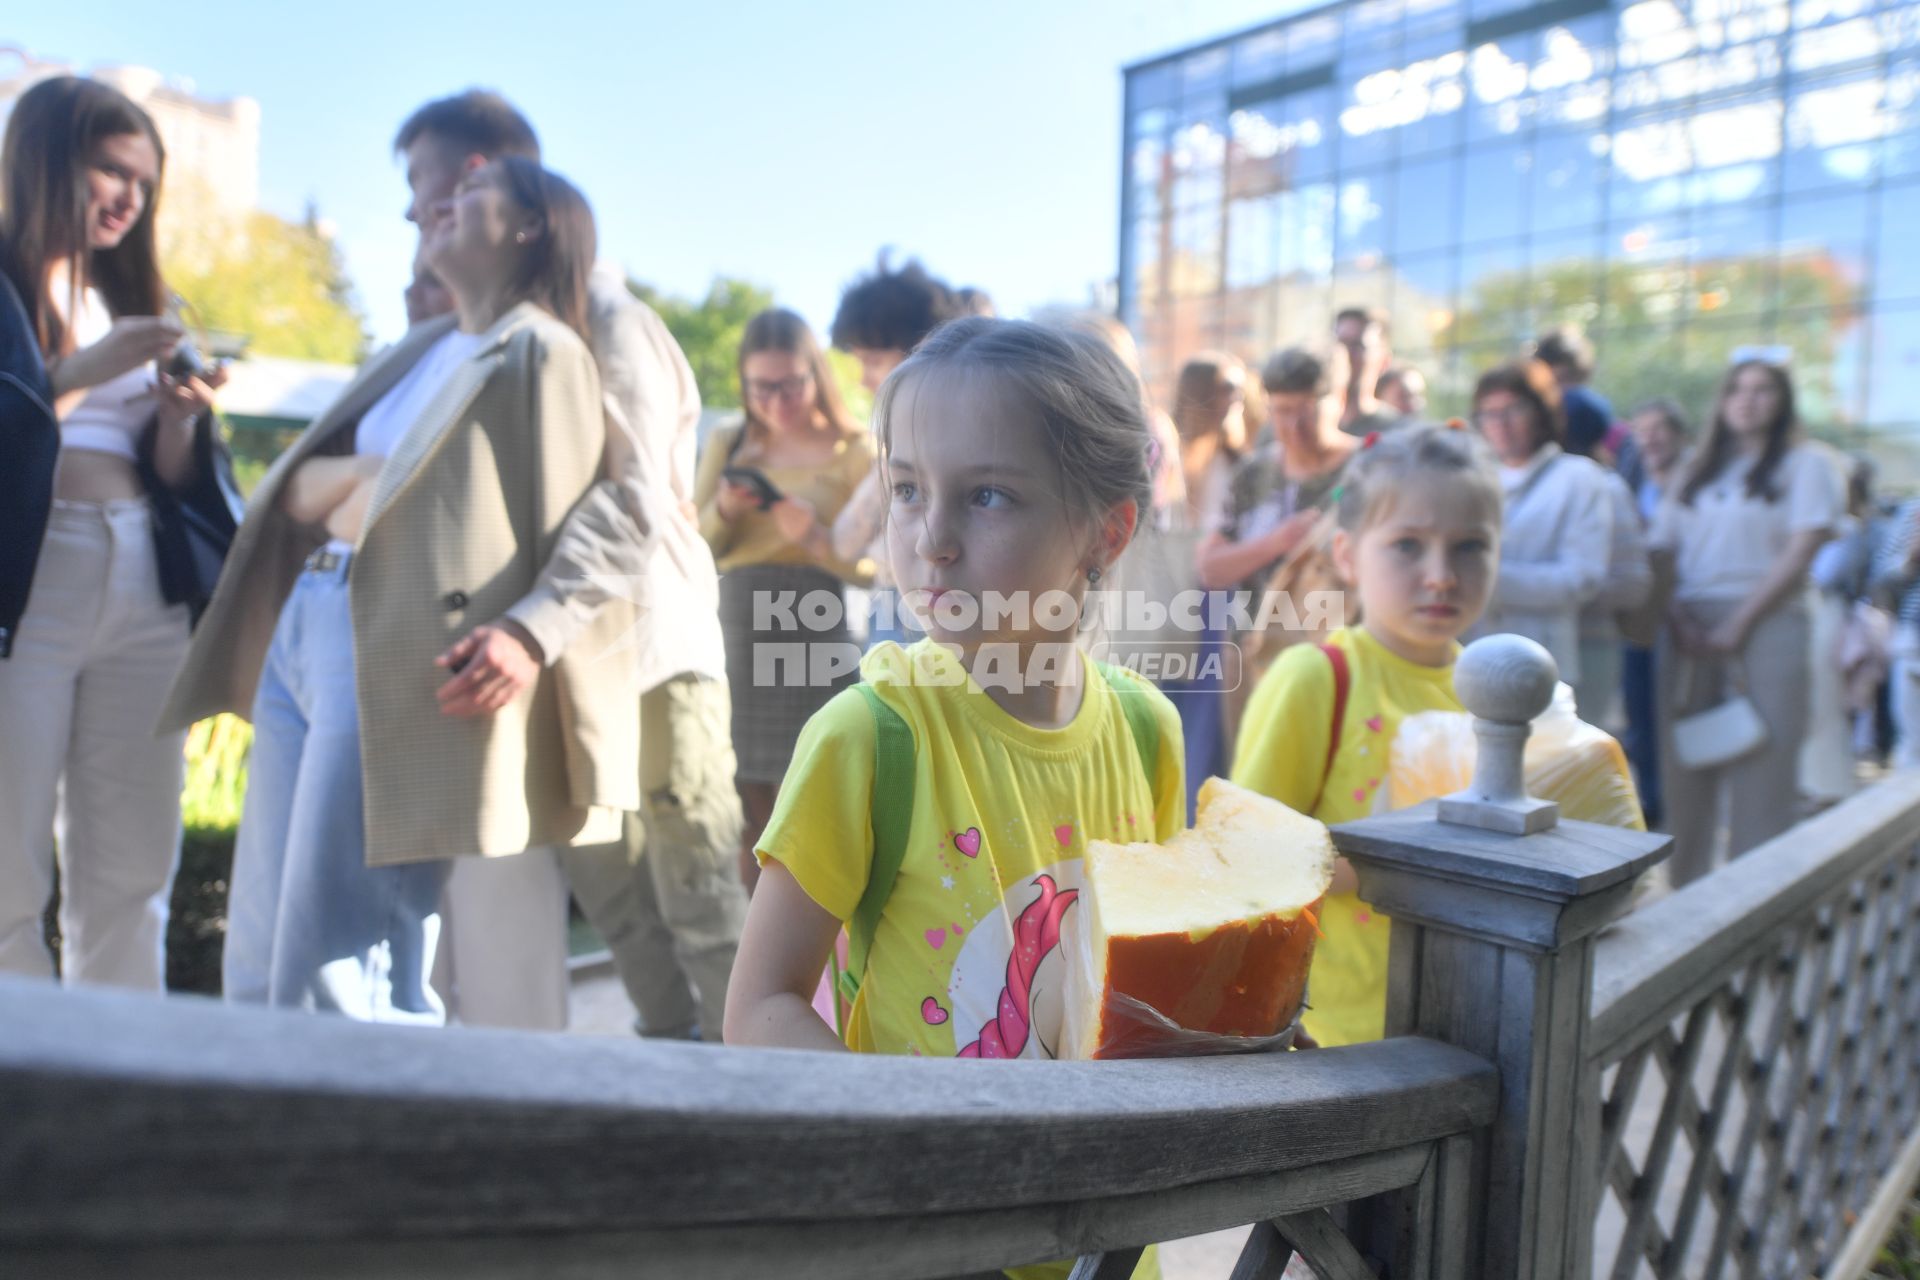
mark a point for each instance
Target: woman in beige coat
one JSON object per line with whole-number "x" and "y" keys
{"x": 402, "y": 613}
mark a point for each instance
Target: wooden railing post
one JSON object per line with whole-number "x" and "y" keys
{"x": 1495, "y": 905}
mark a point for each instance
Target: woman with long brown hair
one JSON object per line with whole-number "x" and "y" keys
{"x": 1753, "y": 507}
{"x": 389, "y": 617}
{"x": 768, "y": 491}
{"x": 98, "y": 443}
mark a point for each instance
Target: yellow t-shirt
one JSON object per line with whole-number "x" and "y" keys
{"x": 967, "y": 959}
{"x": 1283, "y": 754}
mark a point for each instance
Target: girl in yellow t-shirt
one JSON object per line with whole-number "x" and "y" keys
{"x": 1419, "y": 542}
{"x": 1016, "y": 456}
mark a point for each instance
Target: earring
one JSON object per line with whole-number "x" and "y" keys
{"x": 519, "y": 237}
{"x": 1093, "y": 575}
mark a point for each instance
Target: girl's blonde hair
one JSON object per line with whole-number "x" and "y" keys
{"x": 1391, "y": 462}
{"x": 1069, "y": 384}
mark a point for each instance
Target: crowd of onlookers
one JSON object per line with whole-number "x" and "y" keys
{"x": 1670, "y": 571}
{"x": 417, "y": 607}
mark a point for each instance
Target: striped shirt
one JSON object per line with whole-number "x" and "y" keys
{"x": 1890, "y": 564}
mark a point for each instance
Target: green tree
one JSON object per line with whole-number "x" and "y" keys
{"x": 280, "y": 284}
{"x": 709, "y": 331}
{"x": 1667, "y": 329}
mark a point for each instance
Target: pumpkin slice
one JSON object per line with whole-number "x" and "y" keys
{"x": 1201, "y": 944}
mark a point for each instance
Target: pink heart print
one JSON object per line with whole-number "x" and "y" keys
{"x": 1064, "y": 834}
{"x": 936, "y": 938}
{"x": 931, "y": 1013}
{"x": 968, "y": 842}
{"x": 1374, "y": 723}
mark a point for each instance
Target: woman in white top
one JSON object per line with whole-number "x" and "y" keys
{"x": 1740, "y": 532}
{"x": 88, "y": 640}
{"x": 1557, "y": 549}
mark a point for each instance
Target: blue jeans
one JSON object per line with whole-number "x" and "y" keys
{"x": 1642, "y": 739}
{"x": 309, "y": 924}
{"x": 1202, "y": 707}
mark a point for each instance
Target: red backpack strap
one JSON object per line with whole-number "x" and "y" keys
{"x": 1342, "y": 684}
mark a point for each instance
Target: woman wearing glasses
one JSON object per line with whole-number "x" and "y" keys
{"x": 768, "y": 490}
{"x": 1557, "y": 547}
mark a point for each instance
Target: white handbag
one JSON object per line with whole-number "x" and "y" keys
{"x": 1722, "y": 734}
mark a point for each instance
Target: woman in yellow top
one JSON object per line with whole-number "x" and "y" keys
{"x": 1419, "y": 540}
{"x": 768, "y": 490}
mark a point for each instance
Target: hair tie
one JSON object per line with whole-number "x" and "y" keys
{"x": 1372, "y": 439}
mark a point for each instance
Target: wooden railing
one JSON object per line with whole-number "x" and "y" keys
{"x": 1756, "y": 1050}
{"x": 1723, "y": 1083}
{"x": 140, "y": 1138}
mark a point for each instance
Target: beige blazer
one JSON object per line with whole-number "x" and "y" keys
{"x": 465, "y": 516}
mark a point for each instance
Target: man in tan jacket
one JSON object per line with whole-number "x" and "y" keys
{"x": 665, "y": 898}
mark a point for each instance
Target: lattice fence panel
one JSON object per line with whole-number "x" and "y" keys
{"x": 1745, "y": 1134}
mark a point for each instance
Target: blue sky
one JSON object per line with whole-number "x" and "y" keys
{"x": 781, "y": 143}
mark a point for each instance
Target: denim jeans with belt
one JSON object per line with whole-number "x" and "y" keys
{"x": 310, "y": 925}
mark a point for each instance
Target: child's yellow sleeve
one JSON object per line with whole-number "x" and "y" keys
{"x": 1170, "y": 778}
{"x": 821, "y": 830}
{"x": 1284, "y": 735}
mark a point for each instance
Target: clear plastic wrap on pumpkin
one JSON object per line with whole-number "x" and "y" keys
{"x": 1568, "y": 761}
{"x": 1200, "y": 945}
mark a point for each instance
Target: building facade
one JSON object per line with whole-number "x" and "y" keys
{"x": 213, "y": 146}
{"x": 1683, "y": 178}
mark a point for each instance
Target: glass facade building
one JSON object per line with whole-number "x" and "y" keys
{"x": 1683, "y": 178}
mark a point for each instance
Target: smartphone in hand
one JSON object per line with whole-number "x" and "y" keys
{"x": 765, "y": 492}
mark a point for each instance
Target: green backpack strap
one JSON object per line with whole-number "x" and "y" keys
{"x": 1137, "y": 706}
{"x": 891, "y": 810}
{"x": 891, "y": 807}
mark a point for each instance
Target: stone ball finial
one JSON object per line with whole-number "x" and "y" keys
{"x": 1504, "y": 681}
{"x": 1507, "y": 679}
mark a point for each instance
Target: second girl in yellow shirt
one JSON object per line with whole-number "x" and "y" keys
{"x": 1419, "y": 541}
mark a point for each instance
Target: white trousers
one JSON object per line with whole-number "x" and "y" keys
{"x": 1903, "y": 693}
{"x": 79, "y": 761}
{"x": 502, "y": 960}
{"x": 1826, "y": 756}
